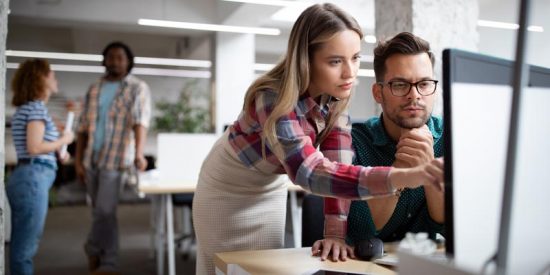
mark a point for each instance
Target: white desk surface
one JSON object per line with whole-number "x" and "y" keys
{"x": 183, "y": 186}
{"x": 290, "y": 261}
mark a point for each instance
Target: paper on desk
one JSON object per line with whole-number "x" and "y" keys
{"x": 149, "y": 177}
{"x": 235, "y": 269}
{"x": 388, "y": 259}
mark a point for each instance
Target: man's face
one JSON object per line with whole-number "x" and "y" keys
{"x": 116, "y": 62}
{"x": 412, "y": 110}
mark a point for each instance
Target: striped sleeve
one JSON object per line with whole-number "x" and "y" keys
{"x": 36, "y": 111}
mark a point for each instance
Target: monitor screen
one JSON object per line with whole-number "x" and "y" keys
{"x": 477, "y": 96}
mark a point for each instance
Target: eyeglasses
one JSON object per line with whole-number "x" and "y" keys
{"x": 403, "y": 88}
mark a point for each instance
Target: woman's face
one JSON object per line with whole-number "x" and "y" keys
{"x": 335, "y": 64}
{"x": 50, "y": 83}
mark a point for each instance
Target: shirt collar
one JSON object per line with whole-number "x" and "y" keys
{"x": 381, "y": 138}
{"x": 125, "y": 81}
{"x": 306, "y": 103}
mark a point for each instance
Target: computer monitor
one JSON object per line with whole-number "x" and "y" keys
{"x": 477, "y": 94}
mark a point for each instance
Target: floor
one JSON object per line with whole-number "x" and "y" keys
{"x": 61, "y": 247}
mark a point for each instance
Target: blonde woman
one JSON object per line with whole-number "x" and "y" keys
{"x": 293, "y": 122}
{"x": 36, "y": 142}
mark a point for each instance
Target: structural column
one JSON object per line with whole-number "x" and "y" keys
{"x": 4, "y": 8}
{"x": 234, "y": 59}
{"x": 443, "y": 23}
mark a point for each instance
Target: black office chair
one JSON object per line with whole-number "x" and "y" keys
{"x": 313, "y": 219}
{"x": 185, "y": 241}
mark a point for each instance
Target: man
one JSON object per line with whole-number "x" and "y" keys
{"x": 405, "y": 135}
{"x": 111, "y": 137}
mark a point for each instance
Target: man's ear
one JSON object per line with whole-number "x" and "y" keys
{"x": 377, "y": 90}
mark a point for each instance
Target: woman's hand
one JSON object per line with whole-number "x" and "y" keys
{"x": 67, "y": 137}
{"x": 64, "y": 158}
{"x": 332, "y": 246}
{"x": 431, "y": 173}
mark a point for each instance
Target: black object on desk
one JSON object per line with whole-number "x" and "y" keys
{"x": 369, "y": 249}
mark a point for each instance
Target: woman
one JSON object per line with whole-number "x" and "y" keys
{"x": 240, "y": 201}
{"x": 36, "y": 141}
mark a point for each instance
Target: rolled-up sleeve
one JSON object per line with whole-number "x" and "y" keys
{"x": 83, "y": 122}
{"x": 141, "y": 111}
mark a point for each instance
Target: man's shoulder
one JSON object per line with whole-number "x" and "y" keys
{"x": 365, "y": 131}
{"x": 435, "y": 124}
{"x": 367, "y": 126}
{"x": 134, "y": 80}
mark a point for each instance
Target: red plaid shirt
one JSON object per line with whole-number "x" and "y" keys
{"x": 327, "y": 171}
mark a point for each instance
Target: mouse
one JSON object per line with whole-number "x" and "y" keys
{"x": 369, "y": 249}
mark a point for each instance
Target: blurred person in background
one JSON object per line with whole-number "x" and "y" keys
{"x": 111, "y": 138}
{"x": 37, "y": 141}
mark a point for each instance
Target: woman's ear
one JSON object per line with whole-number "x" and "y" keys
{"x": 377, "y": 90}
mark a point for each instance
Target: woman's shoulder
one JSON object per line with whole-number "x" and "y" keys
{"x": 265, "y": 97}
{"x": 33, "y": 109}
{"x": 32, "y": 106}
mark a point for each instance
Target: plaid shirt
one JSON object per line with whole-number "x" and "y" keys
{"x": 325, "y": 172}
{"x": 131, "y": 106}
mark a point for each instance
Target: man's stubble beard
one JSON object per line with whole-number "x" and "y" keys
{"x": 409, "y": 122}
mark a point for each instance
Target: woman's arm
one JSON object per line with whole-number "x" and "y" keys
{"x": 36, "y": 144}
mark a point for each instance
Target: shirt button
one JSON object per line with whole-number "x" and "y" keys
{"x": 409, "y": 215}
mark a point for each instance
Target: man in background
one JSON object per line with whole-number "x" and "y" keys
{"x": 405, "y": 135}
{"x": 111, "y": 139}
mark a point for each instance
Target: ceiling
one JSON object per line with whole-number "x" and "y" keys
{"x": 84, "y": 26}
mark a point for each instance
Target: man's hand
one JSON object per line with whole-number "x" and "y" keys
{"x": 140, "y": 162}
{"x": 332, "y": 246}
{"x": 80, "y": 171}
{"x": 415, "y": 147}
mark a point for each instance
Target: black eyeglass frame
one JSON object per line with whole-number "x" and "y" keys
{"x": 389, "y": 83}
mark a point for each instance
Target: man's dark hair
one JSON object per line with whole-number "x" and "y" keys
{"x": 403, "y": 43}
{"x": 122, "y": 46}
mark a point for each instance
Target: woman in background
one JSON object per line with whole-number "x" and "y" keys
{"x": 293, "y": 122}
{"x": 36, "y": 142}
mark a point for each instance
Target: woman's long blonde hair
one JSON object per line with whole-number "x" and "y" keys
{"x": 290, "y": 78}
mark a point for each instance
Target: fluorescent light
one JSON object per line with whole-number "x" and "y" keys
{"x": 371, "y": 39}
{"x": 171, "y": 72}
{"x": 535, "y": 28}
{"x": 99, "y": 58}
{"x": 173, "y": 62}
{"x": 207, "y": 27}
{"x": 136, "y": 71}
{"x": 54, "y": 55}
{"x": 507, "y": 26}
{"x": 281, "y": 3}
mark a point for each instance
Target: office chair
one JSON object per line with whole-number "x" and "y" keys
{"x": 186, "y": 239}
{"x": 313, "y": 219}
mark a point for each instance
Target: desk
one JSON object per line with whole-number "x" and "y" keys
{"x": 162, "y": 215}
{"x": 290, "y": 261}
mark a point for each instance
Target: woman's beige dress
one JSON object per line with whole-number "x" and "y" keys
{"x": 235, "y": 207}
